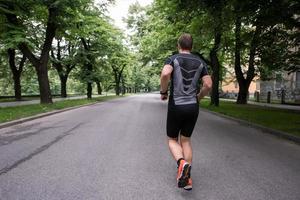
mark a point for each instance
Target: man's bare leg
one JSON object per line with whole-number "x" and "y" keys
{"x": 186, "y": 148}
{"x": 183, "y": 166}
{"x": 175, "y": 148}
{"x": 186, "y": 145}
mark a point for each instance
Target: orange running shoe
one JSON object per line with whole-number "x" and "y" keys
{"x": 189, "y": 185}
{"x": 182, "y": 175}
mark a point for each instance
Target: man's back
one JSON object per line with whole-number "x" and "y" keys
{"x": 187, "y": 71}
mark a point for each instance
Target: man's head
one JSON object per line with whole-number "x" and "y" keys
{"x": 185, "y": 42}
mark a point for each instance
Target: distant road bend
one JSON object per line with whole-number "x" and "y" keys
{"x": 117, "y": 150}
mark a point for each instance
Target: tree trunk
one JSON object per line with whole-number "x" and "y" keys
{"x": 44, "y": 86}
{"x": 89, "y": 67}
{"x": 89, "y": 89}
{"x": 17, "y": 87}
{"x": 45, "y": 92}
{"x": 16, "y": 72}
{"x": 117, "y": 81}
{"x": 99, "y": 88}
{"x": 243, "y": 94}
{"x": 215, "y": 78}
{"x": 89, "y": 82}
{"x": 117, "y": 88}
{"x": 215, "y": 64}
{"x": 237, "y": 63}
{"x": 63, "y": 86}
{"x": 118, "y": 76}
{"x": 41, "y": 69}
{"x": 123, "y": 86}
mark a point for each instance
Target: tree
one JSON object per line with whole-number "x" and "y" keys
{"x": 40, "y": 63}
{"x": 88, "y": 66}
{"x": 215, "y": 9}
{"x": 257, "y": 25}
{"x": 64, "y": 62}
{"x": 118, "y": 63}
{"x": 95, "y": 34}
{"x": 49, "y": 15}
{"x": 278, "y": 49}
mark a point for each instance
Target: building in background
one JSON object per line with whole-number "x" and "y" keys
{"x": 230, "y": 87}
{"x": 284, "y": 84}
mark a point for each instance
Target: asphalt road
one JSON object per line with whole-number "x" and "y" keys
{"x": 117, "y": 150}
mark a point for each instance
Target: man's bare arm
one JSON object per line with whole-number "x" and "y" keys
{"x": 206, "y": 87}
{"x": 164, "y": 79}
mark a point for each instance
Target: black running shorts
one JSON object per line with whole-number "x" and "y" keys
{"x": 181, "y": 120}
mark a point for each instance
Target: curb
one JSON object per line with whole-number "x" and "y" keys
{"x": 26, "y": 119}
{"x": 274, "y": 132}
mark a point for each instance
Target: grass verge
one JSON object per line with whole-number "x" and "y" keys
{"x": 279, "y": 119}
{"x": 13, "y": 99}
{"x": 18, "y": 112}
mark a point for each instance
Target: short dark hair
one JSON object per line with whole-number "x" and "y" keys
{"x": 185, "y": 41}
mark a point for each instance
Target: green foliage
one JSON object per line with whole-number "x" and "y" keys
{"x": 157, "y": 27}
{"x": 277, "y": 43}
{"x": 5, "y": 74}
{"x": 153, "y": 36}
{"x": 74, "y": 20}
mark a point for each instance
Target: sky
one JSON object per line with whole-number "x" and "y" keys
{"x": 120, "y": 10}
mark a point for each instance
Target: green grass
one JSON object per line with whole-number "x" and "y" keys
{"x": 17, "y": 112}
{"x": 279, "y": 119}
{"x": 13, "y": 99}
{"x": 27, "y": 98}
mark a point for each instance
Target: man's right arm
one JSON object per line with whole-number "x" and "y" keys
{"x": 164, "y": 80}
{"x": 206, "y": 87}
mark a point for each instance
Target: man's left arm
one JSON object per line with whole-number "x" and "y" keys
{"x": 164, "y": 81}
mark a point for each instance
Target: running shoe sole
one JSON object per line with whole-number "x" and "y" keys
{"x": 188, "y": 187}
{"x": 183, "y": 179}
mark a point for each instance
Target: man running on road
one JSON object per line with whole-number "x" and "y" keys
{"x": 185, "y": 71}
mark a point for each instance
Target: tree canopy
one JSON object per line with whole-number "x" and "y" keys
{"x": 256, "y": 37}
{"x": 68, "y": 46}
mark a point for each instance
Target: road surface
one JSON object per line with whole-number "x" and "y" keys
{"x": 117, "y": 150}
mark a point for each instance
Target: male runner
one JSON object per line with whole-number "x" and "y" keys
{"x": 185, "y": 71}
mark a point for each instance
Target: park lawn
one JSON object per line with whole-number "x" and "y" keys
{"x": 280, "y": 119}
{"x": 17, "y": 112}
{"x": 29, "y": 98}
{"x": 13, "y": 99}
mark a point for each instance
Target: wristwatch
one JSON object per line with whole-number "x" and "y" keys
{"x": 164, "y": 93}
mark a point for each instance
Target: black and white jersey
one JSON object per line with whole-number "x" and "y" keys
{"x": 188, "y": 69}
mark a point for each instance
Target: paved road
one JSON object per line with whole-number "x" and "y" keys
{"x": 117, "y": 150}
